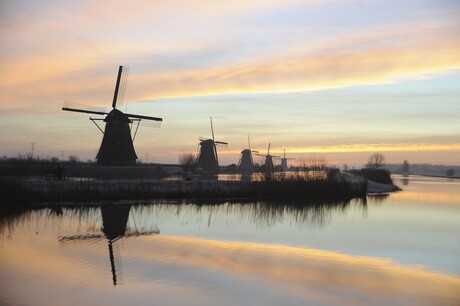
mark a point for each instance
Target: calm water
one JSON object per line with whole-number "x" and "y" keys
{"x": 399, "y": 249}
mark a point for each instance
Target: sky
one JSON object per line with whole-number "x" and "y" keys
{"x": 333, "y": 79}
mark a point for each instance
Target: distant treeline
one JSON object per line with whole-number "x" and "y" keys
{"x": 32, "y": 167}
{"x": 424, "y": 169}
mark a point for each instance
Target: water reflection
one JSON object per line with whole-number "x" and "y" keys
{"x": 119, "y": 219}
{"x": 258, "y": 253}
{"x": 114, "y": 227}
{"x": 112, "y": 222}
{"x": 378, "y": 198}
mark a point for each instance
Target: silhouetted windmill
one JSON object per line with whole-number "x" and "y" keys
{"x": 117, "y": 144}
{"x": 284, "y": 165}
{"x": 207, "y": 158}
{"x": 114, "y": 226}
{"x": 268, "y": 165}
{"x": 246, "y": 163}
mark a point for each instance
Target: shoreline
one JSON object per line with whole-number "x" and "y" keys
{"x": 18, "y": 191}
{"x": 430, "y": 175}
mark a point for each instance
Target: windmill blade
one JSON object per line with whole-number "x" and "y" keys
{"x": 221, "y": 142}
{"x": 83, "y": 108}
{"x": 144, "y": 117}
{"x": 261, "y": 155}
{"x": 268, "y": 151}
{"x": 75, "y": 106}
{"x": 80, "y": 237}
{"x": 150, "y": 123}
{"x": 254, "y": 151}
{"x": 83, "y": 111}
{"x": 117, "y": 86}
{"x": 128, "y": 233}
{"x": 249, "y": 143}
{"x": 215, "y": 153}
{"x": 122, "y": 91}
{"x": 275, "y": 156}
{"x": 212, "y": 129}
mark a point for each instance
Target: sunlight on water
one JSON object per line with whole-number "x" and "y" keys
{"x": 392, "y": 249}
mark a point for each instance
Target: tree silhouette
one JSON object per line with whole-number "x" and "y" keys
{"x": 405, "y": 167}
{"x": 376, "y": 161}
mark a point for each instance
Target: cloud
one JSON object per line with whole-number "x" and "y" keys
{"x": 369, "y": 57}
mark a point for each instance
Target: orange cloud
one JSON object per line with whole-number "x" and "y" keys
{"x": 415, "y": 51}
{"x": 354, "y": 148}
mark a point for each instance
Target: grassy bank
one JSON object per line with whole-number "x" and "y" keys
{"x": 35, "y": 191}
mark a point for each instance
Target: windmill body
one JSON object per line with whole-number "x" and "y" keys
{"x": 246, "y": 163}
{"x": 117, "y": 147}
{"x": 268, "y": 164}
{"x": 208, "y": 155}
{"x": 284, "y": 163}
{"x": 208, "y": 159}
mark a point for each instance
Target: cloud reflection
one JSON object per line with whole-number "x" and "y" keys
{"x": 176, "y": 270}
{"x": 320, "y": 274}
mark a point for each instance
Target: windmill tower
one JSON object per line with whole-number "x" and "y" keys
{"x": 246, "y": 163}
{"x": 269, "y": 167}
{"x": 207, "y": 158}
{"x": 117, "y": 147}
{"x": 114, "y": 227}
{"x": 284, "y": 164}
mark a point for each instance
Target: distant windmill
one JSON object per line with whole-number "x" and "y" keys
{"x": 117, "y": 144}
{"x": 284, "y": 165}
{"x": 208, "y": 159}
{"x": 268, "y": 165}
{"x": 114, "y": 227}
{"x": 246, "y": 163}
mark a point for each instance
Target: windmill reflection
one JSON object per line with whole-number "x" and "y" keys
{"x": 114, "y": 227}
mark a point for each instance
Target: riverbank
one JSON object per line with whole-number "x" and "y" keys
{"x": 378, "y": 188}
{"x": 41, "y": 190}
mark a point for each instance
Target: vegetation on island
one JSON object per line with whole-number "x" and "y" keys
{"x": 312, "y": 179}
{"x": 375, "y": 170}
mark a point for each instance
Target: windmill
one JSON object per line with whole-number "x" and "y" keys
{"x": 207, "y": 158}
{"x": 246, "y": 163}
{"x": 268, "y": 165}
{"x": 117, "y": 144}
{"x": 114, "y": 227}
{"x": 284, "y": 165}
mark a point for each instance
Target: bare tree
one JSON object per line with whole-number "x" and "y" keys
{"x": 376, "y": 161}
{"x": 187, "y": 161}
{"x": 74, "y": 159}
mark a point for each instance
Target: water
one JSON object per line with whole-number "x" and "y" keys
{"x": 397, "y": 249}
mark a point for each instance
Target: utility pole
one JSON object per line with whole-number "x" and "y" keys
{"x": 33, "y": 148}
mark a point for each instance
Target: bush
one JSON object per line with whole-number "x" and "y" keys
{"x": 377, "y": 175}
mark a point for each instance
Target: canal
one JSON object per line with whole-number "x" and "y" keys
{"x": 396, "y": 249}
